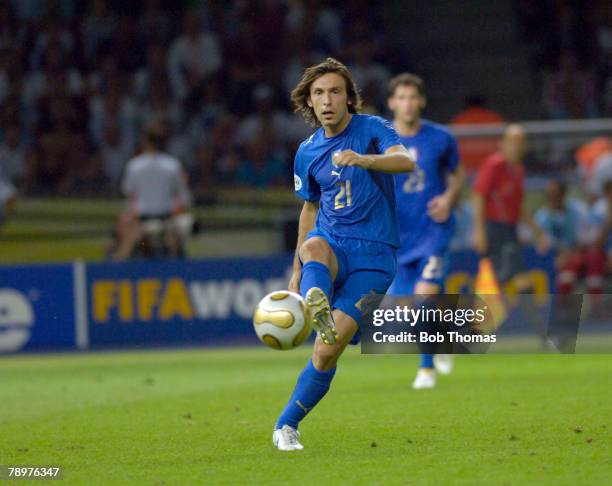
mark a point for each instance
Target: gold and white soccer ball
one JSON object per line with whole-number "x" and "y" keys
{"x": 280, "y": 320}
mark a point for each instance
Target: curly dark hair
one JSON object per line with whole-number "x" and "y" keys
{"x": 301, "y": 93}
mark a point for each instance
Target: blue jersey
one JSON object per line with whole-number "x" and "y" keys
{"x": 436, "y": 153}
{"x": 354, "y": 202}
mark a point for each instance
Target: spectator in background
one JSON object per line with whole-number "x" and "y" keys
{"x": 126, "y": 45}
{"x": 194, "y": 56}
{"x": 244, "y": 66}
{"x": 155, "y": 23}
{"x": 62, "y": 148}
{"x": 53, "y": 32}
{"x": 207, "y": 108}
{"x": 97, "y": 27}
{"x": 566, "y": 27}
{"x": 372, "y": 76}
{"x": 498, "y": 208}
{"x": 103, "y": 76}
{"x": 570, "y": 92}
{"x": 114, "y": 107}
{"x": 315, "y": 24}
{"x": 595, "y": 164}
{"x": 261, "y": 167}
{"x": 156, "y": 187}
{"x": 474, "y": 150}
{"x": 154, "y": 71}
{"x": 602, "y": 217}
{"x": 114, "y": 151}
{"x": 14, "y": 155}
{"x": 12, "y": 33}
{"x": 567, "y": 224}
{"x": 56, "y": 71}
{"x": 265, "y": 118}
{"x": 161, "y": 105}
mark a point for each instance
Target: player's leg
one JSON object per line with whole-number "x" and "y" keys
{"x": 595, "y": 269}
{"x": 316, "y": 378}
{"x": 313, "y": 383}
{"x": 319, "y": 270}
{"x": 131, "y": 233}
{"x": 319, "y": 265}
{"x": 568, "y": 272}
{"x": 430, "y": 282}
{"x": 426, "y": 375}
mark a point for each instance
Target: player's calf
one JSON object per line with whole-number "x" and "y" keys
{"x": 325, "y": 356}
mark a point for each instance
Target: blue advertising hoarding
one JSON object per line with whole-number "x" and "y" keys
{"x": 190, "y": 302}
{"x": 163, "y": 303}
{"x": 37, "y": 307}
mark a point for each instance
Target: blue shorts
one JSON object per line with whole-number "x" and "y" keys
{"x": 431, "y": 269}
{"x": 364, "y": 268}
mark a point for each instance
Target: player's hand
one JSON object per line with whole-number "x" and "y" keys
{"x": 350, "y": 158}
{"x": 481, "y": 244}
{"x": 294, "y": 282}
{"x": 439, "y": 208}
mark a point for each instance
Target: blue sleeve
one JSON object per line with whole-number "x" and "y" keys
{"x": 385, "y": 134}
{"x": 451, "y": 155}
{"x": 306, "y": 186}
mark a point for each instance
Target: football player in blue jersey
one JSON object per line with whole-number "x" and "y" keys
{"x": 425, "y": 199}
{"x": 348, "y": 232}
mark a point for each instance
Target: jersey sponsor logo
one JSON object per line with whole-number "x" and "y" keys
{"x": 16, "y": 320}
{"x": 297, "y": 182}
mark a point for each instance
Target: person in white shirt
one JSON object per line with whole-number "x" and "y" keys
{"x": 156, "y": 187}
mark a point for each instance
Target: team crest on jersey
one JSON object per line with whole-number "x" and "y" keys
{"x": 297, "y": 182}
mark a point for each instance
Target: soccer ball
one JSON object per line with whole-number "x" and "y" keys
{"x": 280, "y": 320}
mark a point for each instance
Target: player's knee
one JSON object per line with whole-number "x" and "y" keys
{"x": 316, "y": 249}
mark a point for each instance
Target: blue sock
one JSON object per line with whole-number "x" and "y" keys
{"x": 427, "y": 360}
{"x": 312, "y": 385}
{"x": 315, "y": 274}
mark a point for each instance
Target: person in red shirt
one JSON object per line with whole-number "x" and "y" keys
{"x": 498, "y": 207}
{"x": 474, "y": 149}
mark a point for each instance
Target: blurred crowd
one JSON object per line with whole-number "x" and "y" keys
{"x": 570, "y": 45}
{"x": 78, "y": 81}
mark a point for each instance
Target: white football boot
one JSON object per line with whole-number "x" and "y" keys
{"x": 320, "y": 315}
{"x": 287, "y": 439}
{"x": 425, "y": 378}
{"x": 443, "y": 363}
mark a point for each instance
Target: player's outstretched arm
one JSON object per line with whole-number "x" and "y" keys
{"x": 308, "y": 216}
{"x": 395, "y": 160}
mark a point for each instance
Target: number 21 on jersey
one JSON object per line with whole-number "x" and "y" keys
{"x": 343, "y": 198}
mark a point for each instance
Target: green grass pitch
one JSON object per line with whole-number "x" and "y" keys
{"x": 205, "y": 417}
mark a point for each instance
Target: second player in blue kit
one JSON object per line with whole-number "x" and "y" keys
{"x": 425, "y": 198}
